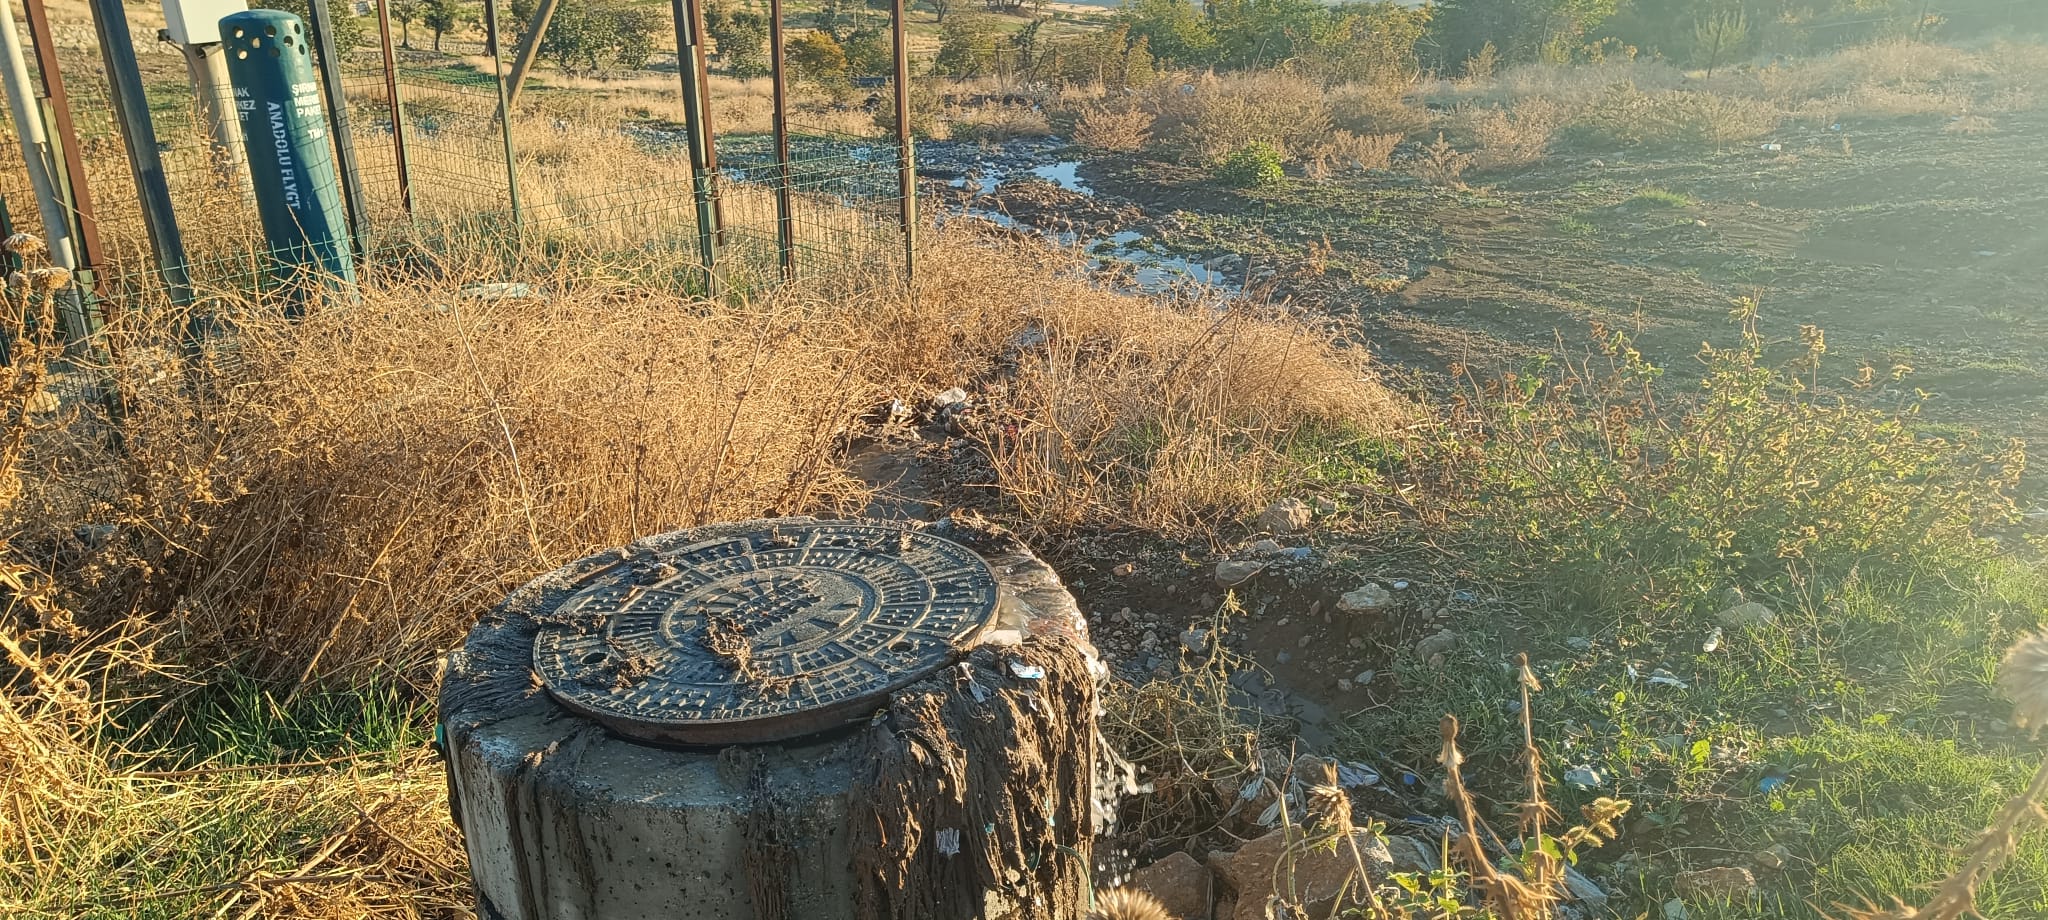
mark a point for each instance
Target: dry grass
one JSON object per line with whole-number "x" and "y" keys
{"x": 1206, "y": 118}
{"x": 1508, "y": 137}
{"x": 1124, "y": 130}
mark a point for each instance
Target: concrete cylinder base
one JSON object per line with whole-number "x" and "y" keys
{"x": 567, "y": 821}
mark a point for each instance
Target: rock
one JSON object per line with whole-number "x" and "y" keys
{"x": 1364, "y": 677}
{"x": 1343, "y": 685}
{"x": 1124, "y": 571}
{"x": 1286, "y": 516}
{"x": 1368, "y": 597}
{"x": 1773, "y": 859}
{"x": 1233, "y": 572}
{"x": 1195, "y": 640}
{"x": 1410, "y": 854}
{"x": 1747, "y": 614}
{"x": 1179, "y": 882}
{"x": 950, "y": 398}
{"x": 1721, "y": 883}
{"x": 1319, "y": 875}
{"x": 1585, "y": 777}
{"x": 1674, "y": 909}
{"x": 1584, "y": 890}
{"x": 1325, "y": 505}
{"x": 1438, "y": 644}
{"x": 1268, "y": 547}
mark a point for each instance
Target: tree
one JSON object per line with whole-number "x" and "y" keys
{"x": 1173, "y": 29}
{"x": 348, "y": 30}
{"x": 1523, "y": 30}
{"x": 967, "y": 47}
{"x": 443, "y": 16}
{"x": 741, "y": 37}
{"x": 815, "y": 58}
{"x": 405, "y": 13}
{"x": 939, "y": 8}
{"x": 592, "y": 36}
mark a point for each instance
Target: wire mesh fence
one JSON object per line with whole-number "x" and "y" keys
{"x": 577, "y": 167}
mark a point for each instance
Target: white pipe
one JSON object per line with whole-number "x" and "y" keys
{"x": 35, "y": 150}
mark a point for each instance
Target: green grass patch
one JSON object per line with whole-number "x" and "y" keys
{"x": 1654, "y": 197}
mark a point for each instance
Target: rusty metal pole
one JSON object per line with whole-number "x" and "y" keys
{"x": 75, "y": 181}
{"x": 906, "y": 155}
{"x": 689, "y": 51}
{"x": 785, "y": 206}
{"x": 397, "y": 107}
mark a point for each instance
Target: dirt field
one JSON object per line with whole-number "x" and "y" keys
{"x": 1910, "y": 243}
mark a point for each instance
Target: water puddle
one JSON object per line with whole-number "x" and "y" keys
{"x": 847, "y": 169}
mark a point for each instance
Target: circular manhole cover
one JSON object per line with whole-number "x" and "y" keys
{"x": 767, "y": 635}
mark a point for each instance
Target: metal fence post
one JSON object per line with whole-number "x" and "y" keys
{"x": 906, "y": 156}
{"x": 138, "y": 135}
{"x": 689, "y": 61}
{"x": 321, "y": 23}
{"x": 78, "y": 187}
{"x": 504, "y": 114}
{"x": 785, "y": 209}
{"x": 397, "y": 108}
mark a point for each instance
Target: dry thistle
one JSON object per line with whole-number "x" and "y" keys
{"x": 49, "y": 279}
{"x": 1125, "y": 904}
{"x": 16, "y": 281}
{"x": 1329, "y": 806}
{"x": 2023, "y": 678}
{"x": 24, "y": 244}
{"x": 1501, "y": 891}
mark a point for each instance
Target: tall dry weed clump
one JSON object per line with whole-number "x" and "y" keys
{"x": 1207, "y": 118}
{"x": 1118, "y": 130}
{"x": 1173, "y": 417}
{"x": 1505, "y": 137}
{"x": 344, "y": 494}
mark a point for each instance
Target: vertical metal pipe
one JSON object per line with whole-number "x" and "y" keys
{"x": 321, "y": 22}
{"x": 138, "y": 135}
{"x": 396, "y": 106}
{"x": 504, "y": 113}
{"x": 785, "y": 206}
{"x": 82, "y": 211}
{"x": 710, "y": 129}
{"x": 37, "y": 154}
{"x": 688, "y": 52}
{"x": 906, "y": 157}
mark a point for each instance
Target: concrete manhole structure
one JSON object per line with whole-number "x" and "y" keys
{"x": 780, "y": 719}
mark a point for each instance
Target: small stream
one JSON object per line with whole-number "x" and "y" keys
{"x": 980, "y": 175}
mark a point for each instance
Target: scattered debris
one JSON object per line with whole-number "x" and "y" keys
{"x": 1579, "y": 644}
{"x": 1713, "y": 641}
{"x": 1027, "y": 671}
{"x": 1584, "y": 890}
{"x": 1585, "y": 777}
{"x": 1663, "y": 678}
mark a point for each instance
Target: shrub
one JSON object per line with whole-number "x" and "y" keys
{"x": 1441, "y": 164}
{"x": 1629, "y": 117}
{"x": 1345, "y": 152}
{"x": 1758, "y": 483}
{"x": 1510, "y": 136}
{"x": 814, "y": 57}
{"x": 1119, "y": 130}
{"x": 1211, "y": 117}
{"x": 1255, "y": 165}
{"x": 1376, "y": 108}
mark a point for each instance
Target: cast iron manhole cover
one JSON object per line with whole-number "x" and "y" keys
{"x": 768, "y": 635}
